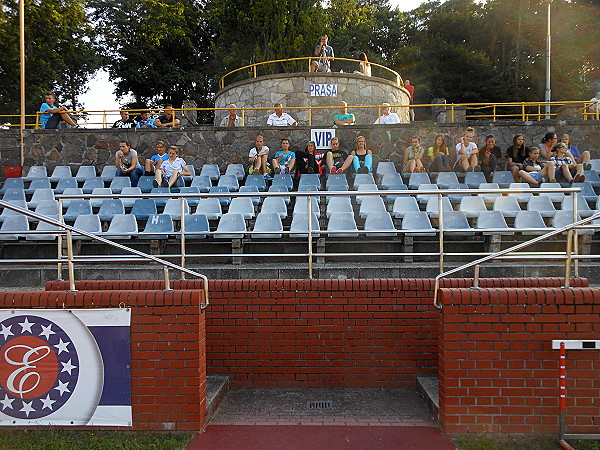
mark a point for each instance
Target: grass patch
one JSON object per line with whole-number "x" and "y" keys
{"x": 91, "y": 440}
{"x": 483, "y": 443}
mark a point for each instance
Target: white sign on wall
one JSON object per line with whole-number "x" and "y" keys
{"x": 323, "y": 90}
{"x": 65, "y": 367}
{"x": 322, "y": 137}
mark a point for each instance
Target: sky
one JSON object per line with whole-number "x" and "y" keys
{"x": 100, "y": 96}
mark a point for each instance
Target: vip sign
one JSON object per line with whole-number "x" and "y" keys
{"x": 323, "y": 90}
{"x": 65, "y": 367}
{"x": 322, "y": 137}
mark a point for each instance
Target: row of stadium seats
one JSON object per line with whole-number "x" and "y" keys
{"x": 269, "y": 225}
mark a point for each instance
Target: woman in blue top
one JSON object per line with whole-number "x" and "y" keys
{"x": 52, "y": 115}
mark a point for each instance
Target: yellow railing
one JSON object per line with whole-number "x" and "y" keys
{"x": 252, "y": 69}
{"x": 522, "y": 111}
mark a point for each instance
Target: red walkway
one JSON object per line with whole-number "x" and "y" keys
{"x": 316, "y": 437}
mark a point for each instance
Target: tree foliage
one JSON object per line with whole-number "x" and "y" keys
{"x": 60, "y": 49}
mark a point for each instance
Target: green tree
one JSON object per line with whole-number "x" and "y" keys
{"x": 156, "y": 51}
{"x": 60, "y": 52}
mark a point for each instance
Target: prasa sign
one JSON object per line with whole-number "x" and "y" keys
{"x": 323, "y": 90}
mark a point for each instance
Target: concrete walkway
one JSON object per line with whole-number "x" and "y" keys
{"x": 352, "y": 419}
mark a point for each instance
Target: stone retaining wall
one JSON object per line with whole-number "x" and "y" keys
{"x": 221, "y": 146}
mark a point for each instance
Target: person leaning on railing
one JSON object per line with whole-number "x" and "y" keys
{"x": 279, "y": 118}
{"x": 167, "y": 119}
{"x": 387, "y": 117}
{"x": 232, "y": 119}
{"x": 145, "y": 120}
{"x": 323, "y": 51}
{"x": 344, "y": 117}
{"x": 594, "y": 108}
{"x": 125, "y": 121}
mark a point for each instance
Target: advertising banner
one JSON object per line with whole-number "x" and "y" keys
{"x": 65, "y": 367}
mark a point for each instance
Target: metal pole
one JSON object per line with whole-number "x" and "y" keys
{"x": 476, "y": 277}
{"x": 441, "y": 230}
{"x": 548, "y": 56}
{"x": 59, "y": 238}
{"x": 182, "y": 230}
{"x": 70, "y": 261}
{"x": 310, "y": 249}
{"x": 167, "y": 282}
{"x": 576, "y": 236}
{"x": 22, "y": 63}
{"x": 562, "y": 389}
{"x": 569, "y": 247}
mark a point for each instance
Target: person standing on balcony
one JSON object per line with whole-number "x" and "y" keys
{"x": 323, "y": 51}
{"x": 594, "y": 108}
{"x": 145, "y": 120}
{"x": 365, "y": 66}
{"x": 167, "y": 119}
{"x": 52, "y": 115}
{"x": 279, "y": 118}
{"x": 411, "y": 96}
{"x": 232, "y": 120}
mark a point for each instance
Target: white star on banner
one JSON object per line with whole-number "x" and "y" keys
{"x": 26, "y": 326}
{"x": 6, "y": 331}
{"x": 7, "y": 402}
{"x": 27, "y": 408}
{"x": 47, "y": 402}
{"x": 67, "y": 367}
{"x": 62, "y": 346}
{"x": 47, "y": 331}
{"x": 62, "y": 387}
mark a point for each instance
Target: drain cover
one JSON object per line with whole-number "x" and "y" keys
{"x": 328, "y": 404}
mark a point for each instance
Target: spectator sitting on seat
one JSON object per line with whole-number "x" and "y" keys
{"x": 170, "y": 172}
{"x": 387, "y": 117}
{"x": 490, "y": 154}
{"x": 413, "y": 156}
{"x": 145, "y": 120}
{"x": 323, "y": 51}
{"x": 547, "y": 145}
{"x": 337, "y": 160}
{"x": 153, "y": 163}
{"x": 467, "y": 153}
{"x": 232, "y": 119}
{"x": 126, "y": 161}
{"x": 362, "y": 157}
{"x": 52, "y": 115}
{"x": 516, "y": 154}
{"x": 125, "y": 121}
{"x": 279, "y": 118}
{"x": 438, "y": 156}
{"x": 579, "y": 157}
{"x": 566, "y": 169}
{"x": 344, "y": 118}
{"x": 284, "y": 160}
{"x": 534, "y": 170}
{"x": 306, "y": 161}
{"x": 365, "y": 66}
{"x": 258, "y": 158}
{"x": 167, "y": 119}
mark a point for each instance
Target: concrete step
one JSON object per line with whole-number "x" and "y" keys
{"x": 428, "y": 388}
{"x": 217, "y": 386}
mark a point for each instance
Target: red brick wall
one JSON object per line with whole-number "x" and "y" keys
{"x": 498, "y": 372}
{"x": 168, "y": 350}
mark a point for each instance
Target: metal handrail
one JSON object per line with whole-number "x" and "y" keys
{"x": 254, "y": 66}
{"x": 451, "y": 107}
{"x": 569, "y": 228}
{"x": 69, "y": 230}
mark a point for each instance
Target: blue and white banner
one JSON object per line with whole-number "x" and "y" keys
{"x": 322, "y": 137}
{"x": 323, "y": 90}
{"x": 65, "y": 367}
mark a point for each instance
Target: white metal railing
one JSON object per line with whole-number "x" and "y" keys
{"x": 184, "y": 255}
{"x": 70, "y": 260}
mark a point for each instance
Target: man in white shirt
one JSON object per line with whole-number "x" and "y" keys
{"x": 279, "y": 118}
{"x": 387, "y": 117}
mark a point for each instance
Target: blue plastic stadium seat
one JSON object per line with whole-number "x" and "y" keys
{"x": 17, "y": 225}
{"x": 417, "y": 223}
{"x": 14, "y": 194}
{"x": 365, "y": 188}
{"x": 12, "y": 183}
{"x": 417, "y": 179}
{"x": 128, "y": 202}
{"x": 84, "y": 173}
{"x": 386, "y": 167}
{"x": 77, "y": 207}
{"x": 338, "y": 204}
{"x": 456, "y": 198}
{"x": 221, "y": 189}
{"x": 235, "y": 169}
{"x": 192, "y": 201}
{"x": 310, "y": 179}
{"x": 196, "y": 227}
{"x": 143, "y": 208}
{"x": 48, "y": 208}
{"x": 65, "y": 183}
{"x": 391, "y": 179}
{"x": 95, "y": 202}
{"x": 592, "y": 177}
{"x": 60, "y": 172}
{"x": 267, "y": 222}
{"x": 145, "y": 183}
{"x": 258, "y": 181}
{"x": 92, "y": 183}
{"x": 87, "y": 222}
{"x": 489, "y": 198}
{"x": 301, "y": 206}
{"x": 118, "y": 183}
{"x": 40, "y": 195}
{"x": 122, "y": 226}
{"x": 586, "y": 190}
{"x": 542, "y": 204}
{"x": 556, "y": 197}
{"x": 493, "y": 220}
{"x": 522, "y": 197}
{"x": 210, "y": 170}
{"x": 108, "y": 173}
{"x": 342, "y": 224}
{"x": 583, "y": 208}
{"x": 109, "y": 208}
{"x": 210, "y": 207}
{"x": 192, "y": 175}
{"x": 158, "y": 226}
{"x": 456, "y": 220}
{"x": 391, "y": 198}
{"x": 283, "y": 179}
{"x": 372, "y": 204}
{"x": 274, "y": 205}
{"x": 503, "y": 178}
{"x": 246, "y": 189}
{"x": 424, "y": 198}
{"x": 202, "y": 182}
{"x": 229, "y": 181}
{"x": 363, "y": 178}
{"x": 173, "y": 208}
{"x": 564, "y": 218}
{"x": 446, "y": 179}
{"x": 6, "y": 212}
{"x": 530, "y": 219}
{"x": 242, "y": 205}
{"x": 404, "y": 204}
{"x": 380, "y": 221}
{"x": 280, "y": 188}
{"x": 161, "y": 201}
{"x": 433, "y": 208}
{"x": 36, "y": 172}
{"x": 336, "y": 179}
{"x": 299, "y": 226}
{"x": 474, "y": 179}
{"x": 231, "y": 226}
{"x": 472, "y": 206}
{"x": 507, "y": 206}
{"x": 43, "y": 226}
